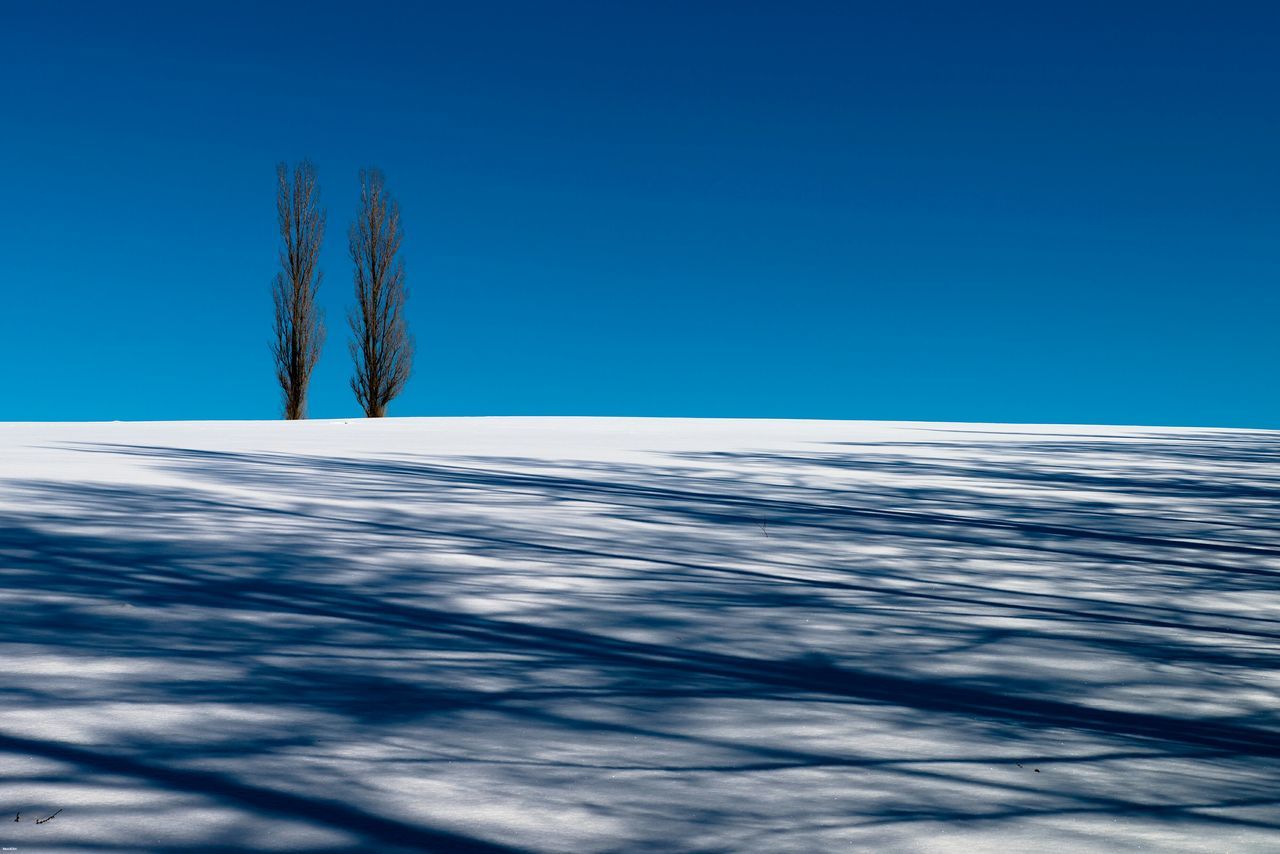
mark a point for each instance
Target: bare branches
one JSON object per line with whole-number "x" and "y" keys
{"x": 381, "y": 346}
{"x": 299, "y": 322}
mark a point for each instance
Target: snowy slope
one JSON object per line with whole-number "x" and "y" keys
{"x": 639, "y": 635}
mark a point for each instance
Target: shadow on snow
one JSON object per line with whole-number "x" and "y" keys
{"x": 534, "y": 628}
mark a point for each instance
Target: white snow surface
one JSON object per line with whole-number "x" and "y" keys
{"x": 609, "y": 634}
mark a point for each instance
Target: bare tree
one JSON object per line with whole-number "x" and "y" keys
{"x": 381, "y": 346}
{"x": 299, "y": 326}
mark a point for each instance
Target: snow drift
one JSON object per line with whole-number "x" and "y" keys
{"x": 639, "y": 634}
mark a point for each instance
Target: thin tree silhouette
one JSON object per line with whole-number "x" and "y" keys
{"x": 299, "y": 321}
{"x": 381, "y": 346}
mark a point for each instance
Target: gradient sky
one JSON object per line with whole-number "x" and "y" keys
{"x": 1047, "y": 212}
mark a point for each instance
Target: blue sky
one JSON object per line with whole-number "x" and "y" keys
{"x": 1053, "y": 212}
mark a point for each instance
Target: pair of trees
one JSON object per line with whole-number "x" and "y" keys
{"x": 381, "y": 347}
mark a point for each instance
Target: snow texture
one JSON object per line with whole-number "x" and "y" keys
{"x": 655, "y": 635}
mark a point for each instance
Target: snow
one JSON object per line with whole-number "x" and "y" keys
{"x": 582, "y": 634}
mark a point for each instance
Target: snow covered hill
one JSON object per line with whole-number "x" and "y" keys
{"x": 566, "y": 634}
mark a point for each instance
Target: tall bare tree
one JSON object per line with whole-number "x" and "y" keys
{"x": 381, "y": 346}
{"x": 299, "y": 326}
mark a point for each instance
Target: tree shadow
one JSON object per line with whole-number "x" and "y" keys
{"x": 705, "y": 652}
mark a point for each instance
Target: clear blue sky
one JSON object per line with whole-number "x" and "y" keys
{"x": 1024, "y": 211}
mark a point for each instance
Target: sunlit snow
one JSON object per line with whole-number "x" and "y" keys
{"x": 573, "y": 634}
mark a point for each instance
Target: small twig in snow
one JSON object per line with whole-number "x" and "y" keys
{"x": 50, "y": 818}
